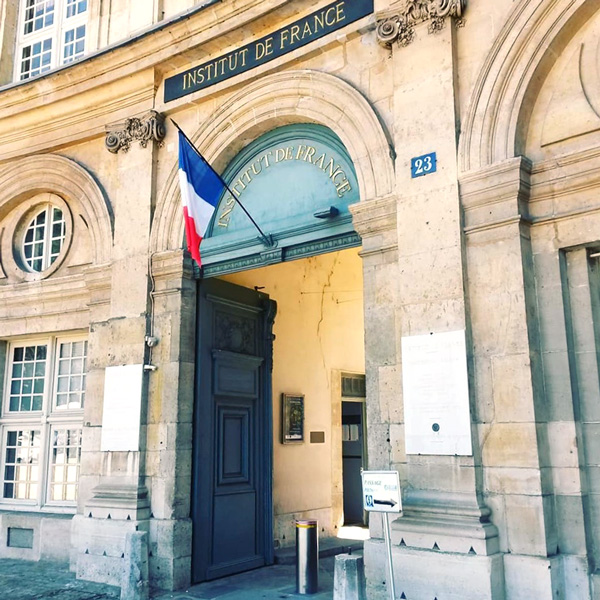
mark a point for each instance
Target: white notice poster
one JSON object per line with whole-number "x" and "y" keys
{"x": 436, "y": 394}
{"x": 122, "y": 405}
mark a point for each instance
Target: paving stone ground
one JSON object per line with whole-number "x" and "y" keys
{"x": 21, "y": 580}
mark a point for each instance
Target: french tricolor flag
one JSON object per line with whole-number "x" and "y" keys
{"x": 201, "y": 189}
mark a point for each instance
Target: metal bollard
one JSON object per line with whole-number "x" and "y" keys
{"x": 307, "y": 557}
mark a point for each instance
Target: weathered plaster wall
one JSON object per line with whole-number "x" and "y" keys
{"x": 318, "y": 328}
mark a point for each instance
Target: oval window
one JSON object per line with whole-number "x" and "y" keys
{"x": 44, "y": 238}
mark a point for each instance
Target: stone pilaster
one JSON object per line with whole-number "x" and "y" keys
{"x": 511, "y": 412}
{"x": 114, "y": 498}
{"x": 445, "y": 521}
{"x": 170, "y": 411}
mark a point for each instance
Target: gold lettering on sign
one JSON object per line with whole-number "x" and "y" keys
{"x": 264, "y": 48}
{"x": 224, "y": 216}
{"x": 294, "y": 34}
{"x": 304, "y": 153}
{"x": 223, "y": 66}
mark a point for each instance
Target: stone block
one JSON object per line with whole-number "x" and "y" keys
{"x": 528, "y": 577}
{"x": 348, "y": 578}
{"x": 390, "y": 393}
{"x": 446, "y": 315}
{"x": 439, "y": 473}
{"x": 526, "y": 525}
{"x": 483, "y": 389}
{"x": 566, "y": 481}
{"x": 27, "y": 540}
{"x": 570, "y": 524}
{"x": 558, "y": 386}
{"x": 509, "y": 445}
{"x": 380, "y": 342}
{"x": 101, "y": 569}
{"x": 397, "y": 443}
{"x": 423, "y": 226}
{"x": 135, "y": 585}
{"x": 379, "y": 446}
{"x": 444, "y": 275}
{"x": 431, "y": 574}
{"x": 562, "y": 444}
{"x": 591, "y": 441}
{"x": 552, "y": 324}
{"x": 512, "y": 389}
{"x": 575, "y": 573}
{"x": 587, "y": 383}
{"x": 55, "y": 539}
{"x": 170, "y": 538}
{"x": 510, "y": 480}
{"x": 593, "y": 479}
{"x": 595, "y": 586}
{"x": 495, "y": 503}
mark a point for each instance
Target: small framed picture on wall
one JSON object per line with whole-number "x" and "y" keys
{"x": 292, "y": 418}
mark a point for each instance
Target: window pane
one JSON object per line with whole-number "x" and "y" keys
{"x": 76, "y": 7}
{"x": 21, "y": 465}
{"x": 70, "y": 382}
{"x": 73, "y": 44}
{"x": 37, "y": 403}
{"x": 38, "y": 14}
{"x": 66, "y": 450}
{"x": 27, "y": 378}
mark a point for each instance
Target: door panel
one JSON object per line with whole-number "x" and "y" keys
{"x": 231, "y": 502}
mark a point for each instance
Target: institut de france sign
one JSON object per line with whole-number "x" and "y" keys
{"x": 312, "y": 27}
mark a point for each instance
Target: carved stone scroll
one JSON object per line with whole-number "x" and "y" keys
{"x": 149, "y": 127}
{"x": 398, "y": 26}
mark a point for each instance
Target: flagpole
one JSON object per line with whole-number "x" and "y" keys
{"x": 267, "y": 240}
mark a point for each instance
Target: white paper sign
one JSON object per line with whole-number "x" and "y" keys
{"x": 436, "y": 394}
{"x": 381, "y": 491}
{"x": 122, "y": 406}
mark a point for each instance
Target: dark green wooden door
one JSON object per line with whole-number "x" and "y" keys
{"x": 231, "y": 504}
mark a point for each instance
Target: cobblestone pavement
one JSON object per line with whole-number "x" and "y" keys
{"x": 21, "y": 580}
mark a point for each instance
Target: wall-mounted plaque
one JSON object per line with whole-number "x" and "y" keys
{"x": 437, "y": 418}
{"x": 122, "y": 407}
{"x": 292, "y": 418}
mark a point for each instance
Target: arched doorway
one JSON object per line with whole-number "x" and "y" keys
{"x": 257, "y": 469}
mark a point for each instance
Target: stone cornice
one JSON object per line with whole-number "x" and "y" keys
{"x": 516, "y": 189}
{"x": 374, "y": 216}
{"x": 98, "y": 280}
{"x": 496, "y": 195}
{"x": 118, "y": 80}
{"x": 61, "y": 296}
{"x": 398, "y": 26}
{"x": 171, "y": 264}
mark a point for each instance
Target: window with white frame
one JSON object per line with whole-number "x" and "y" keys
{"x": 50, "y": 33}
{"x": 41, "y": 421}
{"x": 44, "y": 238}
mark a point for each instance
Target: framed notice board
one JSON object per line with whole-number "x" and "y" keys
{"x": 292, "y": 418}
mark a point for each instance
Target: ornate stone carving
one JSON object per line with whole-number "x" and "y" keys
{"x": 399, "y": 25}
{"x": 150, "y": 126}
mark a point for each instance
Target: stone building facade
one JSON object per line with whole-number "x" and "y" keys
{"x": 419, "y": 168}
